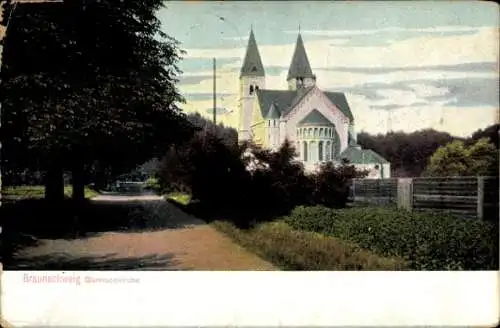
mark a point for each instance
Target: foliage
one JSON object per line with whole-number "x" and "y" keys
{"x": 490, "y": 132}
{"x": 179, "y": 197}
{"x": 152, "y": 184}
{"x": 35, "y": 192}
{"x": 279, "y": 180}
{"x": 248, "y": 179}
{"x": 458, "y": 159}
{"x": 89, "y": 81}
{"x": 291, "y": 249}
{"x": 426, "y": 241}
{"x": 228, "y": 135}
{"x": 331, "y": 184}
{"x": 409, "y": 153}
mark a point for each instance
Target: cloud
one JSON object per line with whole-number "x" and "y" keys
{"x": 419, "y": 80}
{"x": 347, "y": 33}
{"x": 193, "y": 79}
{"x": 219, "y": 111}
{"x": 415, "y": 52}
{"x": 235, "y": 38}
{"x": 206, "y": 96}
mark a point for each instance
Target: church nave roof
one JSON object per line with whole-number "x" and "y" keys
{"x": 286, "y": 100}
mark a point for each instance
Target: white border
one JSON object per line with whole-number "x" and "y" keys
{"x": 199, "y": 298}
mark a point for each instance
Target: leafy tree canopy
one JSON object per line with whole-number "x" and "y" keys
{"x": 93, "y": 79}
{"x": 458, "y": 159}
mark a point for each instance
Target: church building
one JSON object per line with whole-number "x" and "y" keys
{"x": 320, "y": 124}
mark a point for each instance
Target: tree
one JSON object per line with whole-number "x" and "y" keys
{"x": 408, "y": 153}
{"x": 490, "y": 132}
{"x": 457, "y": 159}
{"x": 87, "y": 81}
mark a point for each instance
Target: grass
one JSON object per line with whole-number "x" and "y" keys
{"x": 37, "y": 192}
{"x": 427, "y": 241}
{"x": 292, "y": 249}
{"x": 181, "y": 198}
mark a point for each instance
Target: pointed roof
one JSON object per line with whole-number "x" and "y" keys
{"x": 300, "y": 66}
{"x": 315, "y": 118}
{"x": 339, "y": 99}
{"x": 357, "y": 155}
{"x": 286, "y": 100}
{"x": 252, "y": 64}
{"x": 273, "y": 112}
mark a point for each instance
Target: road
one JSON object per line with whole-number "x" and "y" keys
{"x": 168, "y": 239}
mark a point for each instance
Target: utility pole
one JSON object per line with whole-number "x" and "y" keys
{"x": 215, "y": 98}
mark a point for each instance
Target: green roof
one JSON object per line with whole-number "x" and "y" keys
{"x": 285, "y": 100}
{"x": 252, "y": 64}
{"x": 339, "y": 99}
{"x": 315, "y": 118}
{"x": 273, "y": 112}
{"x": 356, "y": 155}
{"x": 300, "y": 66}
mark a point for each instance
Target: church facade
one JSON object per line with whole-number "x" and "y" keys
{"x": 319, "y": 124}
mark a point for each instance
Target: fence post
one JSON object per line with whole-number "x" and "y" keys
{"x": 480, "y": 197}
{"x": 405, "y": 193}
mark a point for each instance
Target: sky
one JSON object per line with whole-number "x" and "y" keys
{"x": 404, "y": 66}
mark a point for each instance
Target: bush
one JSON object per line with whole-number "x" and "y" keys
{"x": 16, "y": 193}
{"x": 255, "y": 184}
{"x": 152, "y": 183}
{"x": 426, "y": 241}
{"x": 291, "y": 249}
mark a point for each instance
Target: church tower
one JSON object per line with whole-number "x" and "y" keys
{"x": 300, "y": 73}
{"x": 252, "y": 78}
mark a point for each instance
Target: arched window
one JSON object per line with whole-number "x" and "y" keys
{"x": 320, "y": 151}
{"x": 256, "y": 87}
{"x": 251, "y": 90}
{"x": 321, "y": 132}
{"x": 328, "y": 151}
{"x": 315, "y": 132}
{"x": 305, "y": 150}
{"x": 310, "y": 132}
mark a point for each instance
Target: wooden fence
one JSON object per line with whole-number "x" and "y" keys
{"x": 375, "y": 191}
{"x": 465, "y": 196}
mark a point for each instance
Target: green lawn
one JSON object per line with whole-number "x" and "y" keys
{"x": 181, "y": 198}
{"x": 37, "y": 192}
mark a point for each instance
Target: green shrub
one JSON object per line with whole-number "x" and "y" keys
{"x": 292, "y": 249}
{"x": 38, "y": 192}
{"x": 152, "y": 183}
{"x": 426, "y": 241}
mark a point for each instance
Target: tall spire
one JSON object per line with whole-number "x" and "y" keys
{"x": 300, "y": 66}
{"x": 252, "y": 64}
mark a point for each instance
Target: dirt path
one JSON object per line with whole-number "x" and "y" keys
{"x": 169, "y": 240}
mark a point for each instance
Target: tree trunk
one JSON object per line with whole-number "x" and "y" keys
{"x": 54, "y": 182}
{"x": 100, "y": 176}
{"x": 78, "y": 177}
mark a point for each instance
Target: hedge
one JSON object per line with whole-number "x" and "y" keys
{"x": 426, "y": 241}
{"x": 291, "y": 249}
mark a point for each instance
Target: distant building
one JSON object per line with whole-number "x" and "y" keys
{"x": 320, "y": 124}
